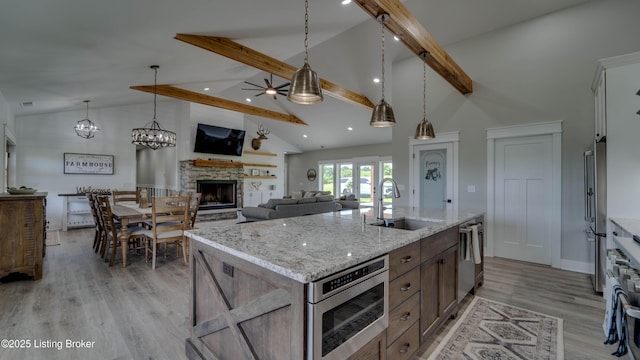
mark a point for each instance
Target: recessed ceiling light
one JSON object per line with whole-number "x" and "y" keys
{"x": 206, "y": 89}
{"x": 376, "y": 80}
{"x": 346, "y": 2}
{"x": 248, "y": 100}
{"x": 304, "y": 135}
{"x": 350, "y": 128}
{"x": 396, "y": 38}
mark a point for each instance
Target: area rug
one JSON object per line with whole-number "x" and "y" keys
{"x": 53, "y": 238}
{"x": 497, "y": 331}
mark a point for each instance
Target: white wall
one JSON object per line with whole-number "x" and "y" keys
{"x": 537, "y": 71}
{"x": 44, "y": 138}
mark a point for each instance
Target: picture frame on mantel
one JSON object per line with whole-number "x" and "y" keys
{"x": 255, "y": 172}
{"x": 88, "y": 164}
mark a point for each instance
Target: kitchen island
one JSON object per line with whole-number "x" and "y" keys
{"x": 249, "y": 281}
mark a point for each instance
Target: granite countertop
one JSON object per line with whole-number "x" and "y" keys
{"x": 630, "y": 225}
{"x": 308, "y": 248}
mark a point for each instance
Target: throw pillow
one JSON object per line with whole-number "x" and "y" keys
{"x": 343, "y": 197}
{"x": 297, "y": 195}
{"x": 308, "y": 194}
{"x": 351, "y": 197}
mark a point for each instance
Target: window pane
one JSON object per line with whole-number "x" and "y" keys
{"x": 326, "y": 182}
{"x": 346, "y": 179}
{"x": 387, "y": 190}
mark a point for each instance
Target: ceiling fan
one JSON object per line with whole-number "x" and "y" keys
{"x": 270, "y": 89}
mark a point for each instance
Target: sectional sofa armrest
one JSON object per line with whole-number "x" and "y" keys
{"x": 256, "y": 212}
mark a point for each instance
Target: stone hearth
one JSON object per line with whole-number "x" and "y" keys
{"x": 190, "y": 174}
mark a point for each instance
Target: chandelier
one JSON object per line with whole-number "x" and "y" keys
{"x": 85, "y": 128}
{"x": 152, "y": 136}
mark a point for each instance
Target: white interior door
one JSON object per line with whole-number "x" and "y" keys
{"x": 433, "y": 176}
{"x": 523, "y": 198}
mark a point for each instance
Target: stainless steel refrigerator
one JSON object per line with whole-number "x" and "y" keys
{"x": 595, "y": 205}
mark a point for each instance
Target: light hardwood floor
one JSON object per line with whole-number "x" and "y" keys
{"x": 137, "y": 313}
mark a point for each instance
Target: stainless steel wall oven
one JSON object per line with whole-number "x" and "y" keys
{"x": 347, "y": 310}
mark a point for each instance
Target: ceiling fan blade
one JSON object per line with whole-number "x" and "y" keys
{"x": 252, "y": 84}
{"x": 283, "y": 85}
{"x": 282, "y": 92}
{"x": 258, "y": 94}
{"x": 274, "y": 97}
{"x": 268, "y": 83}
{"x": 252, "y": 89}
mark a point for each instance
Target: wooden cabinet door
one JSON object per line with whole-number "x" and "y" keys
{"x": 448, "y": 284}
{"x": 430, "y": 280}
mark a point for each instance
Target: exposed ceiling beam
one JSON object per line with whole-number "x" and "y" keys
{"x": 407, "y": 28}
{"x": 188, "y": 95}
{"x": 238, "y": 52}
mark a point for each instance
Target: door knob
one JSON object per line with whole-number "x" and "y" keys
{"x": 447, "y": 201}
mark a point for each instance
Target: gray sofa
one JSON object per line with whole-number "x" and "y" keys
{"x": 282, "y": 208}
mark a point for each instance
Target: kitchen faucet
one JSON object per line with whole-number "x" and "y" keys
{"x": 396, "y": 194}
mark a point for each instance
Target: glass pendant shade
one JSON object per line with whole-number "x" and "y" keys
{"x": 305, "y": 87}
{"x": 85, "y": 128}
{"x": 382, "y": 115}
{"x": 424, "y": 131}
{"x": 152, "y": 136}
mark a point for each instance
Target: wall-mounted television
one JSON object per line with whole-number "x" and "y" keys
{"x": 213, "y": 139}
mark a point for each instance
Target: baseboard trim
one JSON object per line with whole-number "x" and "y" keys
{"x": 577, "y": 266}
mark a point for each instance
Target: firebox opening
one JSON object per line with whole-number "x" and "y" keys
{"x": 217, "y": 194}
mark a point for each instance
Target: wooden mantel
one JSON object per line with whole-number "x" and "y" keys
{"x": 409, "y": 30}
{"x": 217, "y": 163}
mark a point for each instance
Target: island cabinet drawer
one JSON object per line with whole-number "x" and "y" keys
{"x": 437, "y": 243}
{"x": 407, "y": 344}
{"x": 402, "y": 317}
{"x": 404, "y": 259}
{"x": 403, "y": 287}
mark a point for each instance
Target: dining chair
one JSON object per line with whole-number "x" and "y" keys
{"x": 125, "y": 195}
{"x": 169, "y": 219}
{"x": 113, "y": 237}
{"x": 96, "y": 219}
{"x": 194, "y": 204}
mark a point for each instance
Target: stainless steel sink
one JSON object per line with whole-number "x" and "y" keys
{"x": 407, "y": 224}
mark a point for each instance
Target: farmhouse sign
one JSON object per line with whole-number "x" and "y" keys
{"x": 92, "y": 164}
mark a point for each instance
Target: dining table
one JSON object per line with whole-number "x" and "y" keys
{"x": 126, "y": 212}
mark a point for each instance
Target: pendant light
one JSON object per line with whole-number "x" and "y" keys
{"x": 85, "y": 128}
{"x": 152, "y": 136}
{"x": 424, "y": 131}
{"x": 382, "y": 115}
{"x": 305, "y": 85}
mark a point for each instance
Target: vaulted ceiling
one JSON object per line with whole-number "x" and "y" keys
{"x": 56, "y": 54}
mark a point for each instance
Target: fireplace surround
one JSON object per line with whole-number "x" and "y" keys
{"x": 223, "y": 176}
{"x": 217, "y": 194}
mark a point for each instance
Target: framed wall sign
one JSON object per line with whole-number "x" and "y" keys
{"x": 92, "y": 164}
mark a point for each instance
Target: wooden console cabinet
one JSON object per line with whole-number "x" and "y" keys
{"x": 22, "y": 234}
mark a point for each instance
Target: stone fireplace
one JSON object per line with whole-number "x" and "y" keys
{"x": 217, "y": 194}
{"x": 221, "y": 184}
